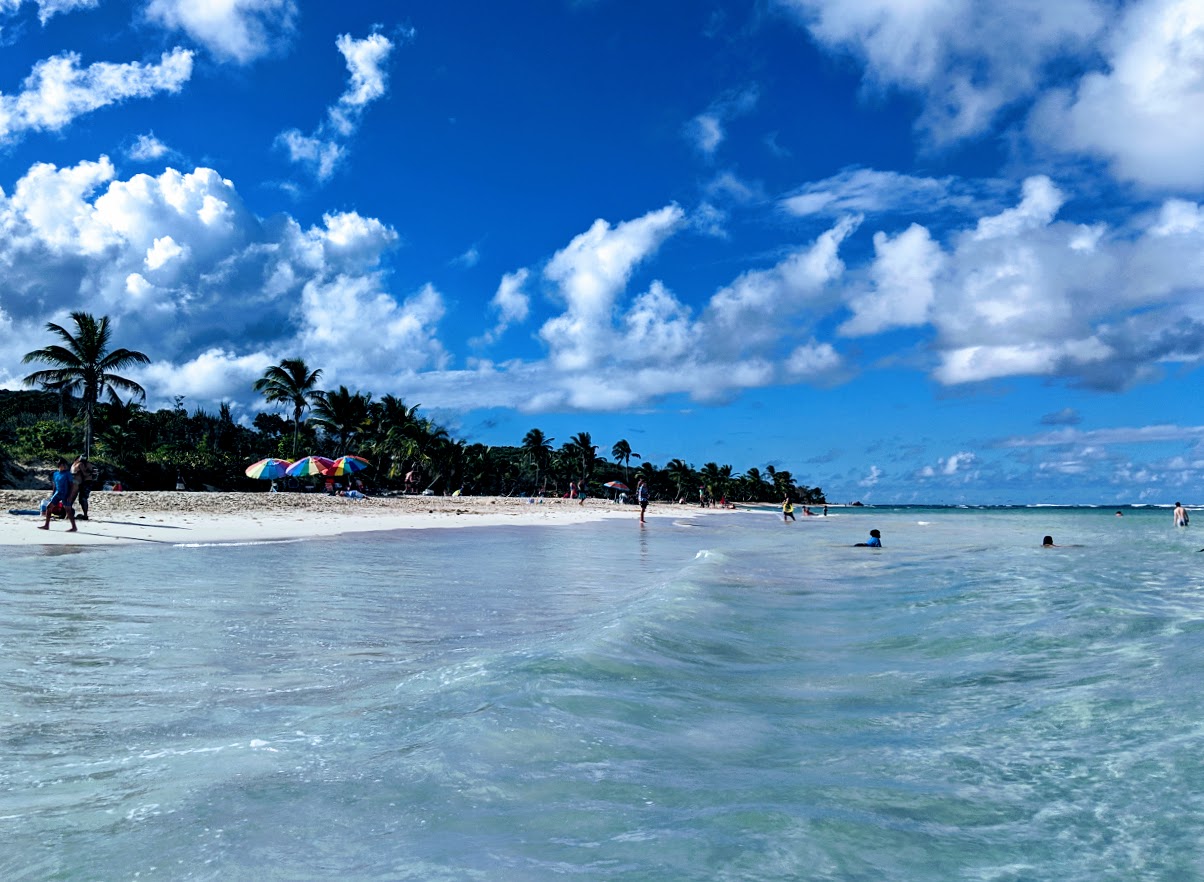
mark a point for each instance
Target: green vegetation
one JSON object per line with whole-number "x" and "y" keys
{"x": 82, "y": 364}
{"x": 148, "y": 449}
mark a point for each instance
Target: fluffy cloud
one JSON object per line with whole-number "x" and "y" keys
{"x": 365, "y": 61}
{"x": 232, "y": 30}
{"x": 1144, "y": 114}
{"x": 750, "y": 311}
{"x": 1020, "y": 292}
{"x": 58, "y": 90}
{"x": 948, "y": 467}
{"x": 321, "y": 151}
{"x": 147, "y": 148}
{"x": 211, "y": 292}
{"x": 904, "y": 288}
{"x": 209, "y": 376}
{"x": 47, "y": 9}
{"x": 321, "y": 156}
{"x": 590, "y": 273}
{"x": 367, "y": 337}
{"x": 606, "y": 351}
{"x": 966, "y": 60}
{"x": 511, "y": 303}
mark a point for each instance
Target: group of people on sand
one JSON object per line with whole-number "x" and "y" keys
{"x": 72, "y": 483}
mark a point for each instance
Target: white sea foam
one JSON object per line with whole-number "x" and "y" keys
{"x": 238, "y": 544}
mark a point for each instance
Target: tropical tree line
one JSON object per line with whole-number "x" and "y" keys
{"x": 83, "y": 403}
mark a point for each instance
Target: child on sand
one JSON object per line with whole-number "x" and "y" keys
{"x": 62, "y": 495}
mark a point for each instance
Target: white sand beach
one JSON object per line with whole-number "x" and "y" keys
{"x": 174, "y": 518}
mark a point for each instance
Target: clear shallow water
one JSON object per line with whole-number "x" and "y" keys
{"x": 731, "y": 698}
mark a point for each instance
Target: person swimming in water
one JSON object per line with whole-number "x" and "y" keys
{"x": 1048, "y": 542}
{"x": 875, "y": 541}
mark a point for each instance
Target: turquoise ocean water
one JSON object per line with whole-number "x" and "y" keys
{"x": 720, "y": 698}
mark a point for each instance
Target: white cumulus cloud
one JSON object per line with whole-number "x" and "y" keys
{"x": 232, "y": 30}
{"x": 904, "y": 283}
{"x": 58, "y": 90}
{"x": 147, "y": 148}
{"x": 1144, "y": 113}
{"x": 322, "y": 151}
{"x": 965, "y": 60}
{"x": 590, "y": 272}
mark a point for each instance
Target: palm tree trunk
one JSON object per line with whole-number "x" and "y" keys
{"x": 88, "y": 429}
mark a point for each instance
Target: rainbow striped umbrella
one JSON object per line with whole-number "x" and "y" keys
{"x": 268, "y": 469}
{"x": 309, "y": 466}
{"x": 347, "y": 465}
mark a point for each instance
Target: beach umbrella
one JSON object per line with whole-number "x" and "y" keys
{"x": 616, "y": 485}
{"x": 309, "y": 466}
{"x": 347, "y": 465}
{"x": 268, "y": 469}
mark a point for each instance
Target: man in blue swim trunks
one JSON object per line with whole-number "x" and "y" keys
{"x": 63, "y": 488}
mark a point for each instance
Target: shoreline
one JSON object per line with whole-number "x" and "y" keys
{"x": 187, "y": 518}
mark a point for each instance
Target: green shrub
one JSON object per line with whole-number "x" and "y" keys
{"x": 47, "y": 439}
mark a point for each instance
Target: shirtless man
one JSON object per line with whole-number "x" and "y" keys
{"x": 1181, "y": 518}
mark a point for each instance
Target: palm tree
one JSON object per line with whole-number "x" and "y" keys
{"x": 652, "y": 476}
{"x": 680, "y": 474}
{"x": 622, "y": 454}
{"x": 783, "y": 481}
{"x": 581, "y": 447}
{"x": 393, "y": 434}
{"x": 83, "y": 363}
{"x": 717, "y": 479}
{"x": 290, "y": 382}
{"x": 342, "y": 414}
{"x": 537, "y": 447}
{"x": 756, "y": 485}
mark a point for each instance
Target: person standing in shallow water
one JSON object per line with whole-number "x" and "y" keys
{"x": 787, "y": 510}
{"x": 1181, "y": 518}
{"x": 641, "y": 495}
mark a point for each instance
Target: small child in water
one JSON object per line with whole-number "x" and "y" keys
{"x": 875, "y": 541}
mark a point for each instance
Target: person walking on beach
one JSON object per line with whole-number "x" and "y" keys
{"x": 787, "y": 509}
{"x": 61, "y": 496}
{"x": 875, "y": 541}
{"x": 581, "y": 492}
{"x": 641, "y": 495}
{"x": 82, "y": 475}
{"x": 1181, "y": 518}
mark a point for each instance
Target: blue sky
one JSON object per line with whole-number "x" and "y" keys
{"x": 937, "y": 251}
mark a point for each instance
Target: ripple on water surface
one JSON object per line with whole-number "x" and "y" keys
{"x": 722, "y": 699}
